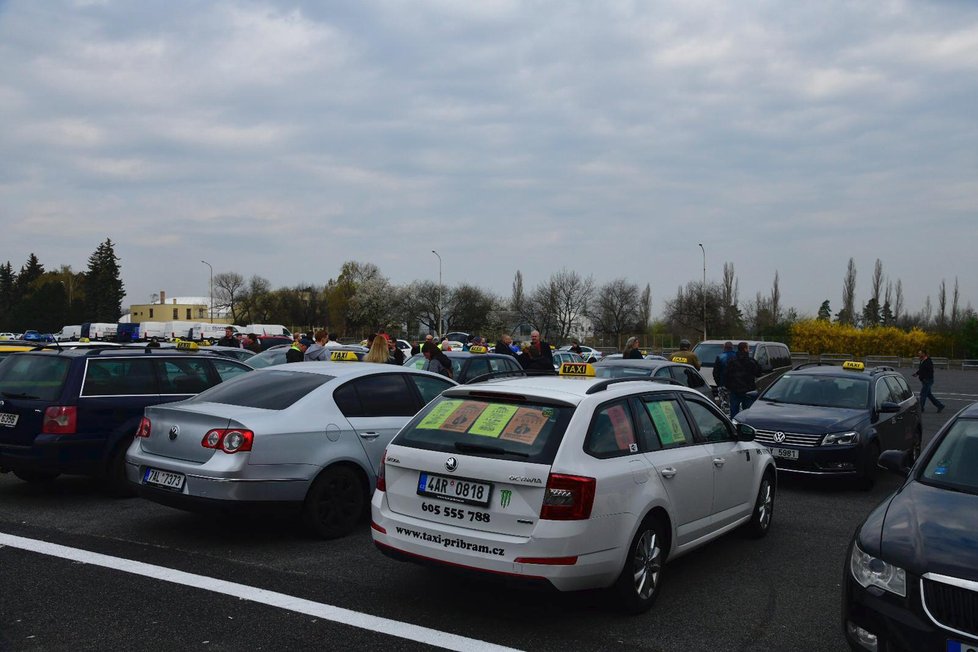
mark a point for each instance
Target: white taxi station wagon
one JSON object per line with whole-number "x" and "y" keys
{"x": 582, "y": 483}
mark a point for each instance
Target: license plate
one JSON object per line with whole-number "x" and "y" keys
{"x": 958, "y": 646}
{"x": 784, "y": 453}
{"x": 454, "y": 489}
{"x": 164, "y": 479}
{"x": 9, "y": 420}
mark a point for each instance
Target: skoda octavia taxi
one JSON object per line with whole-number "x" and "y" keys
{"x": 577, "y": 482}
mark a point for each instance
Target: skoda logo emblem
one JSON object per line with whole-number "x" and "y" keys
{"x": 174, "y": 431}
{"x": 779, "y": 437}
{"x": 451, "y": 464}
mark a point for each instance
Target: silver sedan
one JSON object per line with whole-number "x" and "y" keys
{"x": 308, "y": 434}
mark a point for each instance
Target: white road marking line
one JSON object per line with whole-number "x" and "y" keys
{"x": 254, "y": 594}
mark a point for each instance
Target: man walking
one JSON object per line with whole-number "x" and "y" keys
{"x": 741, "y": 377}
{"x": 229, "y": 339}
{"x": 926, "y": 375}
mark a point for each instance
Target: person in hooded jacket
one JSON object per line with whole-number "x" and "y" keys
{"x": 318, "y": 350}
{"x": 741, "y": 377}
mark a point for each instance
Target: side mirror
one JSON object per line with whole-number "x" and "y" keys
{"x": 889, "y": 407}
{"x": 745, "y": 432}
{"x": 895, "y": 461}
{"x": 752, "y": 395}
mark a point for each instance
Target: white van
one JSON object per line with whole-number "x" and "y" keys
{"x": 68, "y": 334}
{"x": 208, "y": 331}
{"x": 173, "y": 330}
{"x": 150, "y": 329}
{"x": 268, "y": 329}
{"x": 99, "y": 330}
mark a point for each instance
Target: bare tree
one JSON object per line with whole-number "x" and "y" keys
{"x": 877, "y": 280}
{"x": 616, "y": 309}
{"x": 518, "y": 298}
{"x": 645, "y": 308}
{"x": 898, "y": 301}
{"x": 774, "y": 304}
{"x": 848, "y": 313}
{"x": 942, "y": 306}
{"x": 421, "y": 304}
{"x": 228, "y": 291}
{"x": 955, "y": 309}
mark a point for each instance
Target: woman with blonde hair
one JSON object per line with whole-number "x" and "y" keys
{"x": 378, "y": 350}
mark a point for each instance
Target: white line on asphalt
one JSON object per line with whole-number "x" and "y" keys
{"x": 253, "y": 594}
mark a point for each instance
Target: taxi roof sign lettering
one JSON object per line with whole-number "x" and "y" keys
{"x": 576, "y": 369}
{"x": 343, "y": 356}
{"x": 187, "y": 346}
{"x": 854, "y": 365}
{"x": 478, "y": 349}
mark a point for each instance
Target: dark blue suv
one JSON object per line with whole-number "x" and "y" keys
{"x": 76, "y": 411}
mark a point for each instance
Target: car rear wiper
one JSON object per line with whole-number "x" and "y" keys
{"x": 464, "y": 447}
{"x": 20, "y": 395}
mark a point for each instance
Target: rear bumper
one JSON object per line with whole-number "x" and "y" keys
{"x": 494, "y": 555}
{"x": 69, "y": 454}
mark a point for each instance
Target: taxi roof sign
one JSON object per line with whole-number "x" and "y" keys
{"x": 187, "y": 346}
{"x": 343, "y": 356}
{"x": 854, "y": 365}
{"x": 478, "y": 349}
{"x": 576, "y": 369}
{"x": 680, "y": 358}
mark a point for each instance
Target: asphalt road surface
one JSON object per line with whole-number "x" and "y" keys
{"x": 79, "y": 570}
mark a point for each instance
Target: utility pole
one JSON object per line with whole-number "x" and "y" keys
{"x": 440, "y": 329}
{"x": 704, "y": 291}
{"x": 210, "y": 298}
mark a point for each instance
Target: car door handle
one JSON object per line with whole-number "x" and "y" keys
{"x": 668, "y": 472}
{"x": 369, "y": 436}
{"x": 718, "y": 462}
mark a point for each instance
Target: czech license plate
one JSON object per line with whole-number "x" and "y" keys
{"x": 784, "y": 453}
{"x": 164, "y": 479}
{"x": 958, "y": 646}
{"x": 454, "y": 489}
{"x": 7, "y": 419}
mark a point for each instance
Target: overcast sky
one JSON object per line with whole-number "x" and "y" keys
{"x": 281, "y": 139}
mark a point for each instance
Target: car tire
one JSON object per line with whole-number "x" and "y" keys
{"x": 114, "y": 478}
{"x": 868, "y": 479}
{"x": 335, "y": 503}
{"x": 760, "y": 520}
{"x": 638, "y": 584}
{"x": 35, "y": 477}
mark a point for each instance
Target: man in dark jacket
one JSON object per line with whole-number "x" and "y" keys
{"x": 926, "y": 375}
{"x": 720, "y": 364}
{"x": 297, "y": 352}
{"x": 538, "y": 356}
{"x": 251, "y": 343}
{"x": 229, "y": 339}
{"x": 741, "y": 377}
{"x": 504, "y": 346}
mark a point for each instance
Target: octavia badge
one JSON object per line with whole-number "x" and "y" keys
{"x": 779, "y": 437}
{"x": 174, "y": 431}
{"x": 451, "y": 464}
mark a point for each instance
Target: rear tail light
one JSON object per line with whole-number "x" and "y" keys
{"x": 568, "y": 498}
{"x": 382, "y": 474}
{"x": 144, "y": 428}
{"x": 228, "y": 440}
{"x": 60, "y": 420}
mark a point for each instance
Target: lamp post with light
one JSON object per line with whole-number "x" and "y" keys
{"x": 704, "y": 291}
{"x": 440, "y": 333}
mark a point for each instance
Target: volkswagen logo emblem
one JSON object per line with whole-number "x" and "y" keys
{"x": 779, "y": 437}
{"x": 451, "y": 464}
{"x": 174, "y": 431}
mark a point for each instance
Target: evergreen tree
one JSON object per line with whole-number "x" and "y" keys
{"x": 825, "y": 311}
{"x": 30, "y": 272}
{"x": 7, "y": 280}
{"x": 103, "y": 285}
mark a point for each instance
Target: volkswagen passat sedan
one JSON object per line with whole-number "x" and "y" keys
{"x": 577, "y": 482}
{"x": 911, "y": 576}
{"x": 309, "y": 434}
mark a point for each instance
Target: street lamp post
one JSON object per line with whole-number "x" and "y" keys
{"x": 440, "y": 330}
{"x": 210, "y": 305}
{"x": 704, "y": 291}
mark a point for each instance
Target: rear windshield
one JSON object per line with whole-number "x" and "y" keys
{"x": 822, "y": 391}
{"x": 33, "y": 376}
{"x": 487, "y": 427}
{"x": 269, "y": 390}
{"x": 614, "y": 371}
{"x": 707, "y": 353}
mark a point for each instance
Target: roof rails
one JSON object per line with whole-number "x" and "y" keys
{"x": 876, "y": 370}
{"x": 803, "y": 365}
{"x": 602, "y": 385}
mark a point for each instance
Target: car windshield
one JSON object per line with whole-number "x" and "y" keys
{"x": 33, "y": 376}
{"x": 488, "y": 427}
{"x": 615, "y": 371}
{"x": 269, "y": 390}
{"x": 954, "y": 463}
{"x": 707, "y": 353}
{"x": 821, "y": 391}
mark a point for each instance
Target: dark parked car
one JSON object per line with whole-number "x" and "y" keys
{"x": 76, "y": 411}
{"x": 823, "y": 419}
{"x": 911, "y": 576}
{"x": 468, "y": 367}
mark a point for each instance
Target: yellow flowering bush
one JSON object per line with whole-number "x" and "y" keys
{"x": 816, "y": 337}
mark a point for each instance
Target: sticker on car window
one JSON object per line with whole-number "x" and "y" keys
{"x": 492, "y": 420}
{"x": 666, "y": 422}
{"x": 622, "y": 425}
{"x": 525, "y": 426}
{"x": 438, "y": 415}
{"x": 463, "y": 416}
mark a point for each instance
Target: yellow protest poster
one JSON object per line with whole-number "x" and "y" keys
{"x": 492, "y": 420}
{"x": 525, "y": 426}
{"x": 666, "y": 422}
{"x": 438, "y": 415}
{"x": 463, "y": 416}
